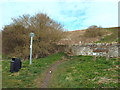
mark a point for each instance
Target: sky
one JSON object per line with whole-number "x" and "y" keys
{"x": 72, "y": 14}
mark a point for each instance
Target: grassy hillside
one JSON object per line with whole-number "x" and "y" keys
{"x": 76, "y": 72}
{"x": 113, "y": 37}
{"x": 25, "y": 78}
{"x": 0, "y": 74}
{"x": 109, "y": 35}
{"x": 0, "y": 42}
{"x": 83, "y": 72}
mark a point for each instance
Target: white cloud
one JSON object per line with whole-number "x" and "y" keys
{"x": 56, "y": 0}
{"x": 103, "y": 14}
{"x": 74, "y": 14}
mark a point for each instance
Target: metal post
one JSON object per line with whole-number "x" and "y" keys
{"x": 31, "y": 50}
{"x": 31, "y": 35}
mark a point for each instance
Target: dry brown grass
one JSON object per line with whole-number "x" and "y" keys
{"x": 0, "y": 42}
{"x": 107, "y": 80}
{"x": 81, "y": 36}
{"x": 77, "y": 37}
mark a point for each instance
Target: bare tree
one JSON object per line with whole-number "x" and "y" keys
{"x": 16, "y": 36}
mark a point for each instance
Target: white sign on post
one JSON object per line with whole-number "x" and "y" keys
{"x": 94, "y": 53}
{"x": 31, "y": 35}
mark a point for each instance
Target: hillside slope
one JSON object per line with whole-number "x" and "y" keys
{"x": 113, "y": 37}
{"x": 0, "y": 43}
{"x": 78, "y": 36}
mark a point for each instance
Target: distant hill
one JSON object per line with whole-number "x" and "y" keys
{"x": 113, "y": 37}
{"x": 0, "y": 42}
{"x": 78, "y": 36}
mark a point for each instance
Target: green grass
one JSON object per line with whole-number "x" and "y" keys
{"x": 83, "y": 72}
{"x": 25, "y": 78}
{"x": 76, "y": 72}
{"x": 110, "y": 38}
{"x": 0, "y": 74}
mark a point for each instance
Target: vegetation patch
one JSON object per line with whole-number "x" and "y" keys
{"x": 83, "y": 72}
{"x": 75, "y": 72}
{"x": 26, "y": 77}
{"x": 113, "y": 37}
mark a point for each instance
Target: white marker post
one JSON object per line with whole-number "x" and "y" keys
{"x": 94, "y": 53}
{"x": 31, "y": 35}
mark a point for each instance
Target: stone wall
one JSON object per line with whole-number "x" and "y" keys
{"x": 81, "y": 50}
{"x": 111, "y": 50}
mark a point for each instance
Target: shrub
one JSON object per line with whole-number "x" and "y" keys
{"x": 94, "y": 31}
{"x": 16, "y": 38}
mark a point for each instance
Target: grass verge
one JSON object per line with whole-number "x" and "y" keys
{"x": 83, "y": 72}
{"x": 25, "y": 78}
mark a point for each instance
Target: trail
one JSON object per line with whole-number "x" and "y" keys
{"x": 48, "y": 74}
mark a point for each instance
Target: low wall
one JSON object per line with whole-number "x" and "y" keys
{"x": 111, "y": 50}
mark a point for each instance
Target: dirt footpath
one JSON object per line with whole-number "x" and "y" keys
{"x": 49, "y": 73}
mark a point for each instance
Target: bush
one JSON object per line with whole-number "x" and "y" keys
{"x": 94, "y": 31}
{"x": 16, "y": 39}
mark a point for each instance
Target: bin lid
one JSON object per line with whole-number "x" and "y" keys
{"x": 13, "y": 59}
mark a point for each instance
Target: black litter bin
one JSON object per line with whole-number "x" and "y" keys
{"x": 15, "y": 65}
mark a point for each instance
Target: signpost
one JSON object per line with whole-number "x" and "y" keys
{"x": 94, "y": 53}
{"x": 31, "y": 35}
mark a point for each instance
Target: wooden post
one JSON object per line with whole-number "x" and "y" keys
{"x": 107, "y": 56}
{"x": 94, "y": 53}
{"x": 94, "y": 57}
